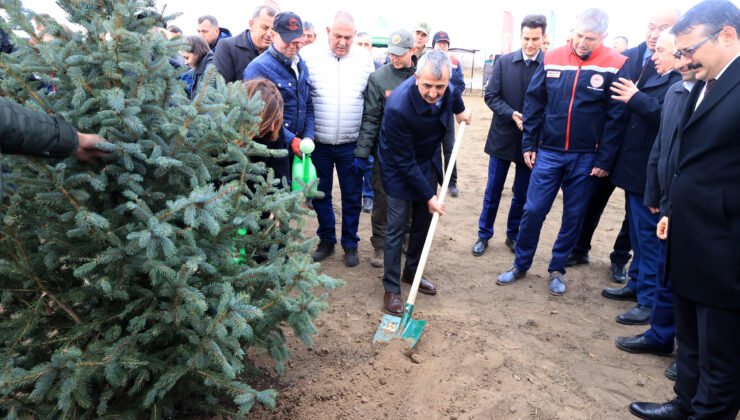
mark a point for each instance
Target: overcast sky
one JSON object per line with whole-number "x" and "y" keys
{"x": 471, "y": 24}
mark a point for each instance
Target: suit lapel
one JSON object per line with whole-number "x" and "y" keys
{"x": 720, "y": 89}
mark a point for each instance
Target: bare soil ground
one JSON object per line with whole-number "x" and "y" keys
{"x": 487, "y": 351}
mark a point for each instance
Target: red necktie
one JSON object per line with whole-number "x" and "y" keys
{"x": 709, "y": 85}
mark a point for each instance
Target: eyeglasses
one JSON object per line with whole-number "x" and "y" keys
{"x": 688, "y": 52}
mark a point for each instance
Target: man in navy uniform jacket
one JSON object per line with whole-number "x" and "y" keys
{"x": 416, "y": 117}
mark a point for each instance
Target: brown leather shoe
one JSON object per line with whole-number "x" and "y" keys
{"x": 425, "y": 286}
{"x": 393, "y": 303}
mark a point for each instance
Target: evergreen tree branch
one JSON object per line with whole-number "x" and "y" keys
{"x": 25, "y": 85}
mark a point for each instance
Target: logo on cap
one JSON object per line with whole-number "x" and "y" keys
{"x": 443, "y": 34}
{"x": 597, "y": 80}
{"x": 396, "y": 39}
{"x": 292, "y": 24}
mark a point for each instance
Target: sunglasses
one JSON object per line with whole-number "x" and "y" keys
{"x": 689, "y": 52}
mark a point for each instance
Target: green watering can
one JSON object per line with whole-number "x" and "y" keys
{"x": 304, "y": 173}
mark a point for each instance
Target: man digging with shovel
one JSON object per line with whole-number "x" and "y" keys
{"x": 416, "y": 117}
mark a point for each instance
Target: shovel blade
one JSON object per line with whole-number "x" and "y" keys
{"x": 391, "y": 327}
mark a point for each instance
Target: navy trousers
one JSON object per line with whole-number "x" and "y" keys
{"x": 326, "y": 157}
{"x": 553, "y": 170}
{"x": 497, "y": 171}
{"x": 662, "y": 330}
{"x": 645, "y": 246}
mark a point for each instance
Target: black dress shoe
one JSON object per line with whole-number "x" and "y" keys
{"x": 639, "y": 344}
{"x": 323, "y": 251}
{"x": 454, "y": 191}
{"x": 479, "y": 247}
{"x": 575, "y": 258}
{"x": 619, "y": 293}
{"x": 671, "y": 372}
{"x": 619, "y": 273}
{"x": 511, "y": 244}
{"x": 639, "y": 315}
{"x": 656, "y": 411}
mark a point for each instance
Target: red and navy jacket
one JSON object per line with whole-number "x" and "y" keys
{"x": 568, "y": 106}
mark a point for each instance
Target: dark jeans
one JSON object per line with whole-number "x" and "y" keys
{"x": 708, "y": 359}
{"x": 553, "y": 170}
{"x": 497, "y": 171}
{"x": 398, "y": 213}
{"x": 448, "y": 142}
{"x": 645, "y": 246}
{"x": 367, "y": 187}
{"x": 380, "y": 208}
{"x": 662, "y": 330}
{"x": 622, "y": 245}
{"x": 325, "y": 157}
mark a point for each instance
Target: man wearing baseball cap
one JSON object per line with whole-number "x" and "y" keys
{"x": 282, "y": 65}
{"x": 421, "y": 35}
{"x": 380, "y": 84}
{"x": 441, "y": 41}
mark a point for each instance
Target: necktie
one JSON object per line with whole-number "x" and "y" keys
{"x": 528, "y": 62}
{"x": 709, "y": 85}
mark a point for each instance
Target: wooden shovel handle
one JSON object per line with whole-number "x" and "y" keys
{"x": 435, "y": 217}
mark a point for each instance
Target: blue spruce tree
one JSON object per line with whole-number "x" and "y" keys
{"x": 121, "y": 293}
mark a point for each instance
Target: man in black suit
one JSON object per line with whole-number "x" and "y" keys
{"x": 641, "y": 67}
{"x": 234, "y": 54}
{"x": 505, "y": 96}
{"x": 703, "y": 230}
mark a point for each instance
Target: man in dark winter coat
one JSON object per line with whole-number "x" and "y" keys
{"x": 505, "y": 96}
{"x": 234, "y": 54}
{"x": 380, "y": 85}
{"x": 416, "y": 118}
{"x": 27, "y": 132}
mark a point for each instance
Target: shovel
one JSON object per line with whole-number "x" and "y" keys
{"x": 405, "y": 327}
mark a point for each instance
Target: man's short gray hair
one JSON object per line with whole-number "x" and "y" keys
{"x": 593, "y": 20}
{"x": 212, "y": 20}
{"x": 437, "y": 60}
{"x": 307, "y": 26}
{"x": 343, "y": 17}
{"x": 271, "y": 12}
{"x": 669, "y": 36}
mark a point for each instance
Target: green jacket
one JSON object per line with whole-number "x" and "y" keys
{"x": 381, "y": 83}
{"x": 27, "y": 132}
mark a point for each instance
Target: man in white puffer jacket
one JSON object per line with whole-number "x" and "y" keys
{"x": 338, "y": 77}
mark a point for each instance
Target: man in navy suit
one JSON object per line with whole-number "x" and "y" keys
{"x": 415, "y": 121}
{"x": 703, "y": 229}
{"x": 505, "y": 96}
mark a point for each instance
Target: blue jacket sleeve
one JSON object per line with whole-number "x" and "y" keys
{"x": 614, "y": 126}
{"x": 494, "y": 94}
{"x": 457, "y": 79}
{"x": 534, "y": 109}
{"x": 310, "y": 123}
{"x": 401, "y": 141}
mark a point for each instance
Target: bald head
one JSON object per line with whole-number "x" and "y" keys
{"x": 660, "y": 20}
{"x": 341, "y": 33}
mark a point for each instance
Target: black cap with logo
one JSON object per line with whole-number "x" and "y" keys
{"x": 288, "y": 25}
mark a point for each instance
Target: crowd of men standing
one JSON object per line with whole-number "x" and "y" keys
{"x": 660, "y": 121}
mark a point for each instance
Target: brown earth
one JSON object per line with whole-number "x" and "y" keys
{"x": 487, "y": 351}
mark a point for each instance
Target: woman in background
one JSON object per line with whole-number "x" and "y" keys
{"x": 198, "y": 58}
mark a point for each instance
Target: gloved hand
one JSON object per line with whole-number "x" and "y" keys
{"x": 295, "y": 145}
{"x": 361, "y": 165}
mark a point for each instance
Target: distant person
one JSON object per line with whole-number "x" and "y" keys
{"x": 235, "y": 54}
{"x": 282, "y": 65}
{"x": 703, "y": 261}
{"x": 380, "y": 85}
{"x": 505, "y": 97}
{"x": 421, "y": 36}
{"x": 545, "y": 44}
{"x": 338, "y": 78}
{"x": 620, "y": 44}
{"x": 441, "y": 41}
{"x": 568, "y": 143}
{"x": 210, "y": 31}
{"x": 175, "y": 30}
{"x": 363, "y": 40}
{"x": 309, "y": 33}
{"x": 487, "y": 70}
{"x": 198, "y": 59}
{"x": 414, "y": 123}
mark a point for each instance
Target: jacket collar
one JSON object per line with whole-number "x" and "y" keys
{"x": 721, "y": 88}
{"x": 422, "y": 107}
{"x": 201, "y": 68}
{"x": 406, "y": 71}
{"x": 243, "y": 40}
{"x": 519, "y": 56}
{"x": 281, "y": 58}
{"x": 593, "y": 54}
